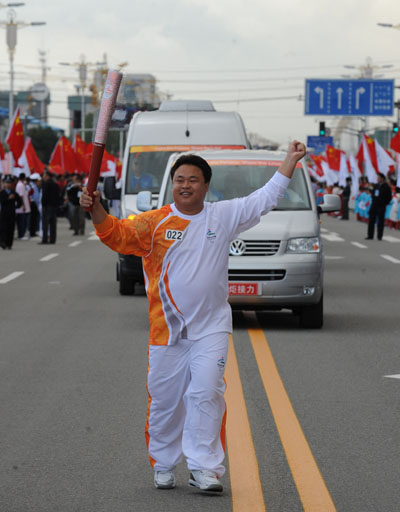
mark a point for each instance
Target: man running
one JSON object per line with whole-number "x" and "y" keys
{"x": 185, "y": 248}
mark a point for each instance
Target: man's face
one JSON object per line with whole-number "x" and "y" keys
{"x": 189, "y": 189}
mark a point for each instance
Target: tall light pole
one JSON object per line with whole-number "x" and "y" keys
{"x": 11, "y": 38}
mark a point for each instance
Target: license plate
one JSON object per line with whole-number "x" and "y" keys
{"x": 244, "y": 288}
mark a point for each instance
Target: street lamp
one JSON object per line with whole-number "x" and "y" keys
{"x": 367, "y": 70}
{"x": 11, "y": 39}
{"x": 389, "y": 25}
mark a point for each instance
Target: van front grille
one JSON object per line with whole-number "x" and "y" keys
{"x": 256, "y": 275}
{"x": 261, "y": 247}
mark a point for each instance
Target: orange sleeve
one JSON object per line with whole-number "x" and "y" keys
{"x": 127, "y": 236}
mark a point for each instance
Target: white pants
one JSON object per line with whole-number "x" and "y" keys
{"x": 186, "y": 409}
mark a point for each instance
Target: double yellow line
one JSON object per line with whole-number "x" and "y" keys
{"x": 246, "y": 487}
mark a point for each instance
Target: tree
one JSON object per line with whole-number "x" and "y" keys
{"x": 44, "y": 141}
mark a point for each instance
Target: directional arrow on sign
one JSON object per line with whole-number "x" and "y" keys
{"x": 339, "y": 93}
{"x": 359, "y": 91}
{"x": 320, "y": 91}
{"x": 392, "y": 376}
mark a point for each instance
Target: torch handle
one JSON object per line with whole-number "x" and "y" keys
{"x": 94, "y": 172}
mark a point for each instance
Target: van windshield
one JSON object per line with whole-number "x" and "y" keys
{"x": 230, "y": 181}
{"x": 145, "y": 171}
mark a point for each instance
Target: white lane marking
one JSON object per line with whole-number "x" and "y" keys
{"x": 334, "y": 257}
{"x": 54, "y": 282}
{"x": 93, "y": 237}
{"x": 332, "y": 237}
{"x": 10, "y": 277}
{"x": 50, "y": 256}
{"x": 74, "y": 244}
{"x": 392, "y": 376}
{"x": 360, "y": 246}
{"x": 392, "y": 239}
{"x": 390, "y": 258}
{"x": 324, "y": 230}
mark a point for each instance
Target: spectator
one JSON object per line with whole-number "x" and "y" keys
{"x": 345, "y": 199}
{"x": 77, "y": 215}
{"x": 23, "y": 212}
{"x": 9, "y": 201}
{"x": 50, "y": 203}
{"x": 34, "y": 224}
{"x": 394, "y": 212}
{"x": 381, "y": 197}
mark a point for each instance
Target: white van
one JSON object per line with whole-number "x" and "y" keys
{"x": 177, "y": 126}
{"x": 279, "y": 263}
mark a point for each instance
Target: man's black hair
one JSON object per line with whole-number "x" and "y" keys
{"x": 196, "y": 161}
{"x": 381, "y": 175}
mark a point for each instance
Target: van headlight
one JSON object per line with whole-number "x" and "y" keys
{"x": 304, "y": 245}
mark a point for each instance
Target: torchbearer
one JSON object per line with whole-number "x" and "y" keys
{"x": 185, "y": 250}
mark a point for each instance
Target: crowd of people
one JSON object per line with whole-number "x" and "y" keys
{"x": 31, "y": 205}
{"x": 376, "y": 204}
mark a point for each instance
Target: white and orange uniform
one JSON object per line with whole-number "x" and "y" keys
{"x": 185, "y": 264}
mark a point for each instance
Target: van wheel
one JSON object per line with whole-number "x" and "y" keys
{"x": 126, "y": 285}
{"x": 312, "y": 317}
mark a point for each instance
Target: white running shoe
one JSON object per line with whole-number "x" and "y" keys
{"x": 164, "y": 479}
{"x": 205, "y": 480}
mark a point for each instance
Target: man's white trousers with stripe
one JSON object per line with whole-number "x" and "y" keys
{"x": 186, "y": 415}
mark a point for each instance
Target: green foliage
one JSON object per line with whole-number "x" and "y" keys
{"x": 44, "y": 141}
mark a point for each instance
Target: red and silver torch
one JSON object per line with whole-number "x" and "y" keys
{"x": 103, "y": 124}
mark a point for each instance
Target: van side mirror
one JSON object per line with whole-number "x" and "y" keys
{"x": 109, "y": 189}
{"x": 144, "y": 201}
{"x": 331, "y": 203}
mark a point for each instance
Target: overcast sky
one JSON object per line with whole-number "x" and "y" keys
{"x": 221, "y": 50}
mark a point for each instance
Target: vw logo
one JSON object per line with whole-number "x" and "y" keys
{"x": 237, "y": 247}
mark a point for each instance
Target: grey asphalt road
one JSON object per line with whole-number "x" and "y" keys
{"x": 73, "y": 371}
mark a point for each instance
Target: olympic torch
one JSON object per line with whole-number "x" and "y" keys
{"x": 103, "y": 124}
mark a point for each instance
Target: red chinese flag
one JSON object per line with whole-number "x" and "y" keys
{"x": 360, "y": 155}
{"x": 372, "y": 152}
{"x": 63, "y": 158}
{"x": 15, "y": 138}
{"x": 333, "y": 157}
{"x": 2, "y": 154}
{"x": 318, "y": 159}
{"x": 108, "y": 164}
{"x": 83, "y": 153}
{"x": 395, "y": 143}
{"x": 34, "y": 162}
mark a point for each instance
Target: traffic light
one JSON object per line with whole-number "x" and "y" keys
{"x": 322, "y": 130}
{"x": 395, "y": 128}
{"x": 77, "y": 119}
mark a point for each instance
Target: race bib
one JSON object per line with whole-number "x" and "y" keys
{"x": 173, "y": 234}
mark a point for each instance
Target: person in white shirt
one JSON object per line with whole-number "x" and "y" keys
{"x": 185, "y": 249}
{"x": 23, "y": 213}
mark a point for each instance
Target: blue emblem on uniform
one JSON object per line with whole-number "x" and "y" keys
{"x": 221, "y": 362}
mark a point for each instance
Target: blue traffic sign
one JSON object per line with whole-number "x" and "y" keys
{"x": 363, "y": 97}
{"x": 319, "y": 143}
